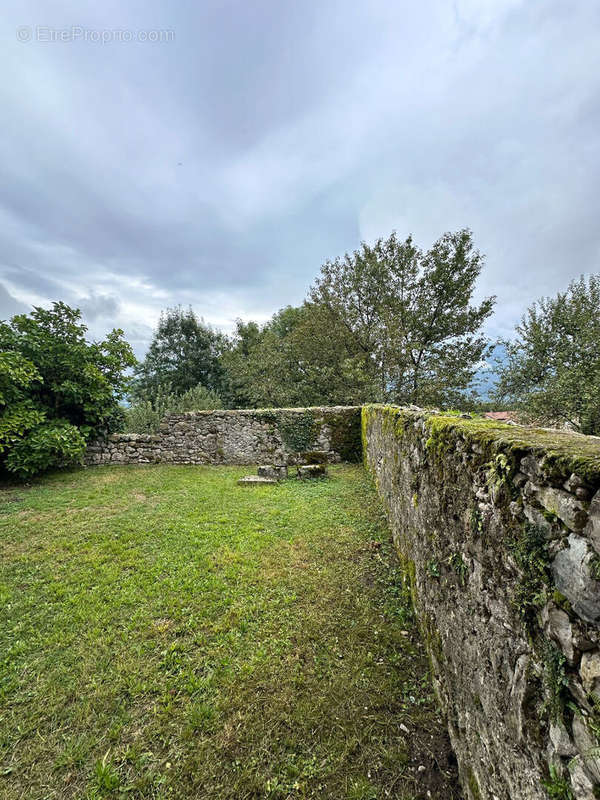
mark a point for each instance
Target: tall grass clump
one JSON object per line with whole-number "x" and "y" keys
{"x": 145, "y": 416}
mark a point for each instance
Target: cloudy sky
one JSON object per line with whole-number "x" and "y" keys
{"x": 215, "y": 153}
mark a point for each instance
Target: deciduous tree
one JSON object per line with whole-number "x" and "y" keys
{"x": 409, "y": 316}
{"x": 184, "y": 352}
{"x": 552, "y": 369}
{"x": 57, "y": 390}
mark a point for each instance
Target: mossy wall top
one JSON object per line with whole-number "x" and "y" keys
{"x": 500, "y": 530}
{"x": 252, "y": 436}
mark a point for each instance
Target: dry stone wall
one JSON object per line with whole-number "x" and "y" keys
{"x": 270, "y": 436}
{"x": 499, "y": 528}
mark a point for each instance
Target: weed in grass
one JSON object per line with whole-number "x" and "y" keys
{"x": 200, "y": 717}
{"x": 106, "y": 778}
{"x": 362, "y": 789}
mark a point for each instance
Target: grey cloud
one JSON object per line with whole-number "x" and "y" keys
{"x": 9, "y": 305}
{"x": 223, "y": 168}
{"x": 99, "y": 306}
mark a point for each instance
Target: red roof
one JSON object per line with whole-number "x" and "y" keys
{"x": 499, "y": 415}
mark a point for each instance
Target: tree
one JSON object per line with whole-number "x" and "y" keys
{"x": 56, "y": 389}
{"x": 330, "y": 369}
{"x": 239, "y": 362}
{"x": 552, "y": 368}
{"x": 297, "y": 358}
{"x": 184, "y": 352}
{"x": 411, "y": 330}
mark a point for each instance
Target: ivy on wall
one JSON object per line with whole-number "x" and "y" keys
{"x": 298, "y": 429}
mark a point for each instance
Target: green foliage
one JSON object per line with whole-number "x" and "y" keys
{"x": 459, "y": 566}
{"x": 530, "y": 551}
{"x": 500, "y": 470}
{"x": 298, "y": 358}
{"x": 362, "y": 789}
{"x": 50, "y": 444}
{"x": 385, "y": 323}
{"x": 433, "y": 568}
{"x": 298, "y": 429}
{"x": 56, "y": 389}
{"x": 145, "y": 416}
{"x": 553, "y": 365}
{"x": 409, "y": 315}
{"x": 184, "y": 353}
{"x": 594, "y": 717}
{"x": 16, "y": 374}
{"x": 555, "y": 681}
{"x": 106, "y": 778}
{"x": 17, "y": 412}
{"x": 558, "y": 788}
{"x": 595, "y": 567}
{"x": 476, "y": 521}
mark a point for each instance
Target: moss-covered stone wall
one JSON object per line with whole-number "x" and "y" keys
{"x": 267, "y": 436}
{"x": 500, "y": 528}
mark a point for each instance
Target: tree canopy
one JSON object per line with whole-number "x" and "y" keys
{"x": 57, "y": 390}
{"x": 408, "y": 316}
{"x": 387, "y": 322}
{"x": 552, "y": 369}
{"x": 184, "y": 353}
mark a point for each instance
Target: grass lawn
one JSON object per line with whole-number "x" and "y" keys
{"x": 165, "y": 633}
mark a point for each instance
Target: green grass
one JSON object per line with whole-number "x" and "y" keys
{"x": 165, "y": 633}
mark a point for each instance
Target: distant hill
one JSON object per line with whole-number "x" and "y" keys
{"x": 486, "y": 378}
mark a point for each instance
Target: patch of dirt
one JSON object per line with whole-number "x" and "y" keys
{"x": 433, "y": 765}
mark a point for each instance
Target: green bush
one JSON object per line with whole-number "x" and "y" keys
{"x": 51, "y": 444}
{"x": 145, "y": 416}
{"x": 57, "y": 390}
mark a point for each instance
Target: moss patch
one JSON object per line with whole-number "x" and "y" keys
{"x": 563, "y": 452}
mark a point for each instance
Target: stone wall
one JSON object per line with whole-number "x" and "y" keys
{"x": 270, "y": 436}
{"x": 499, "y": 528}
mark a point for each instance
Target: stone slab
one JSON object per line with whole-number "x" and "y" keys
{"x": 256, "y": 480}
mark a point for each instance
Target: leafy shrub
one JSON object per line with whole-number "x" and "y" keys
{"x": 145, "y": 416}
{"x": 51, "y": 444}
{"x": 57, "y": 390}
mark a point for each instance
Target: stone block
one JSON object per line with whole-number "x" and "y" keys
{"x": 590, "y": 670}
{"x": 256, "y": 480}
{"x": 571, "y": 511}
{"x": 558, "y": 628}
{"x": 573, "y": 577}
{"x": 312, "y": 471}
{"x": 592, "y": 530}
{"x": 587, "y": 745}
{"x": 278, "y": 473}
{"x": 314, "y": 457}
